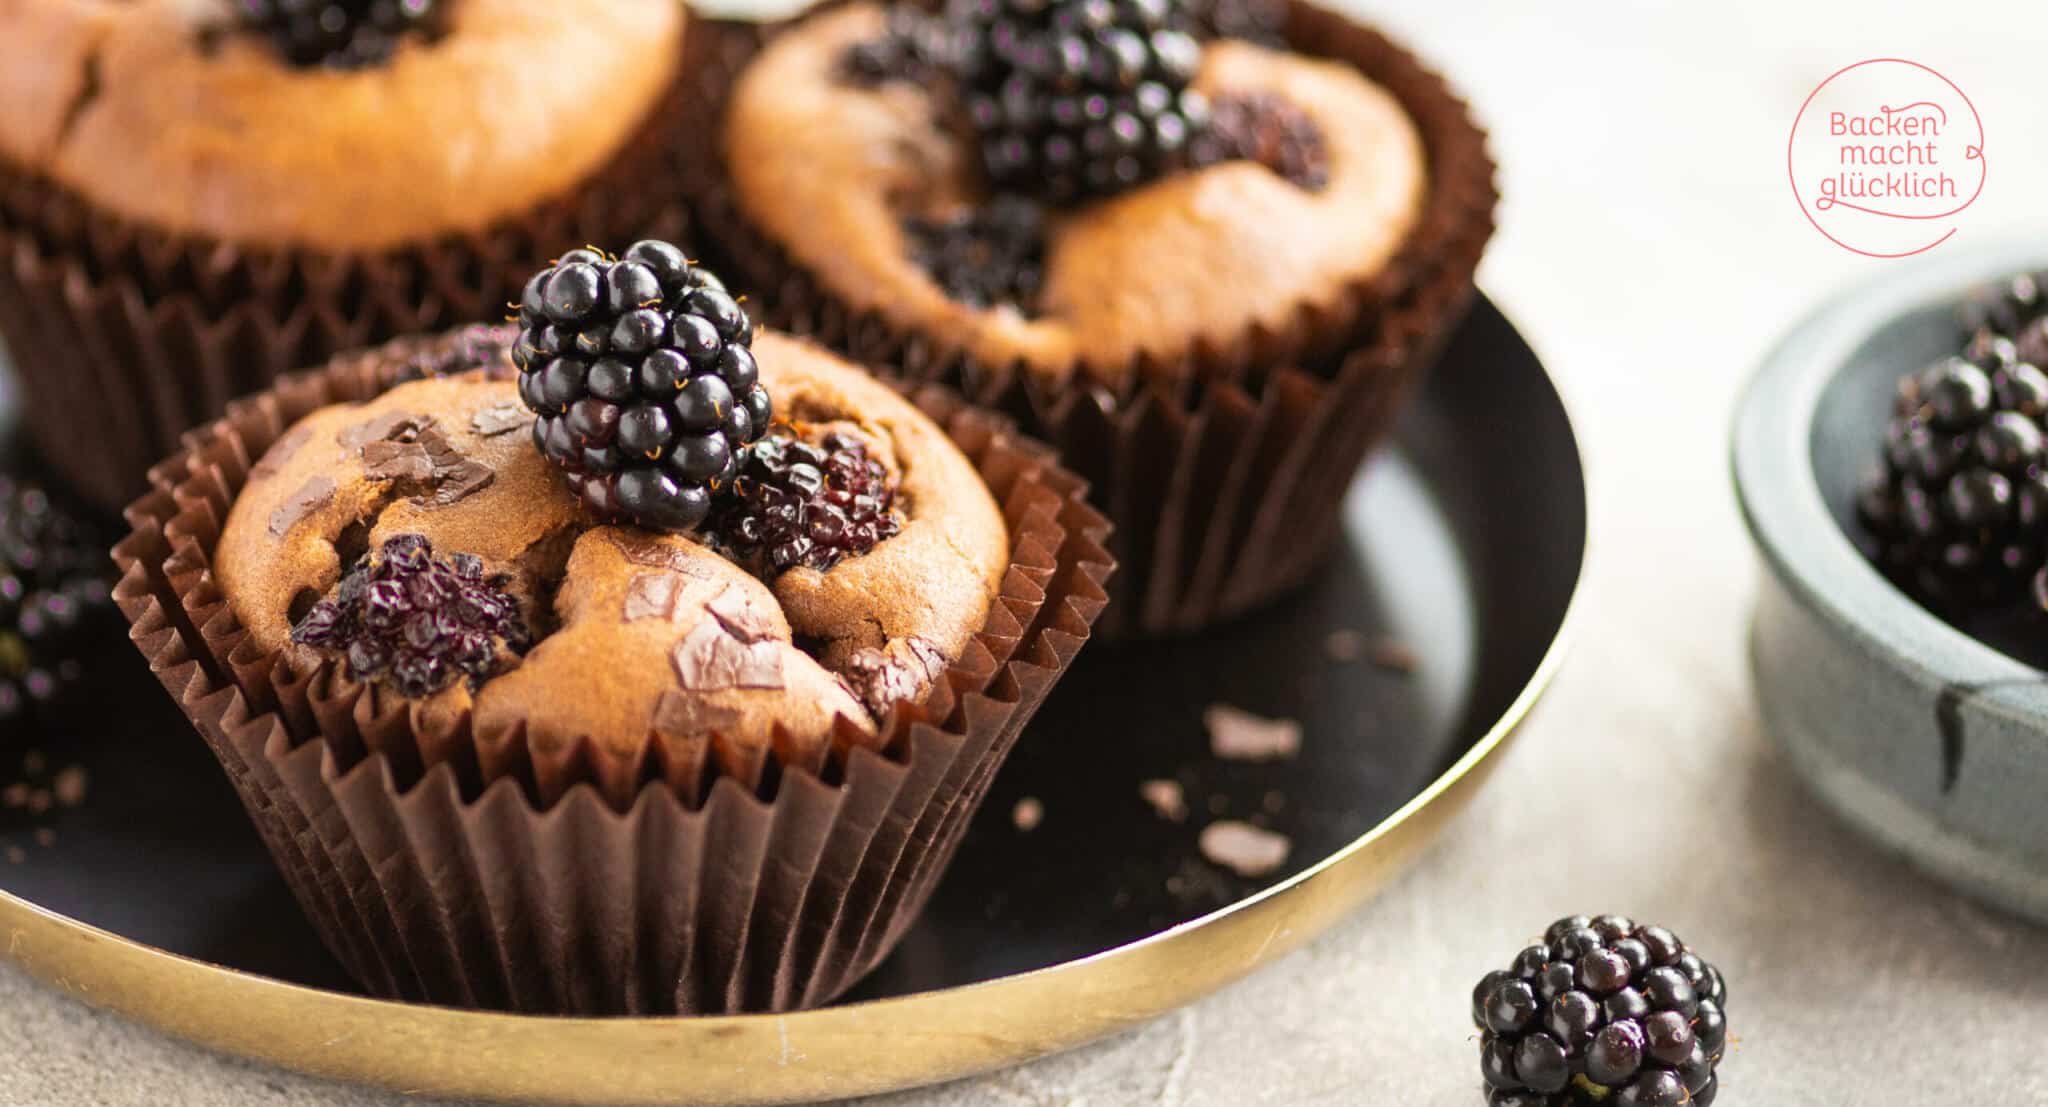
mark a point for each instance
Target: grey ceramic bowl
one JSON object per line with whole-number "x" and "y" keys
{"x": 1926, "y": 738}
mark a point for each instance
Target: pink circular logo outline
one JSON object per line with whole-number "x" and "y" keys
{"x": 1975, "y": 152}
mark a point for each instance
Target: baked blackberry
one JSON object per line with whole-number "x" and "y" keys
{"x": 344, "y": 34}
{"x": 1957, "y": 510}
{"x": 1075, "y": 98}
{"x": 798, "y": 504}
{"x": 54, "y": 603}
{"x": 1606, "y": 1012}
{"x": 416, "y": 622}
{"x": 985, "y": 255}
{"x": 1270, "y": 130}
{"x": 641, "y": 370}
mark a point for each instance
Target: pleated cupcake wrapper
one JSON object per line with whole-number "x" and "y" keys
{"x": 1224, "y": 485}
{"x": 123, "y": 336}
{"x": 735, "y": 883}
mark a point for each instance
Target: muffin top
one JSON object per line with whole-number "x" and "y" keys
{"x": 173, "y": 114}
{"x": 508, "y": 602}
{"x": 834, "y": 170}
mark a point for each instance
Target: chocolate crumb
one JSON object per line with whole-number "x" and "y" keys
{"x": 1218, "y": 804}
{"x": 45, "y": 837}
{"x": 1243, "y": 848}
{"x": 316, "y": 493}
{"x": 503, "y": 417}
{"x": 33, "y": 762}
{"x": 1394, "y": 656}
{"x": 14, "y": 796}
{"x": 1344, "y": 645}
{"x": 16, "y": 855}
{"x": 1027, "y": 814}
{"x": 1238, "y": 735}
{"x": 1273, "y": 802}
{"x": 1167, "y": 798}
{"x": 70, "y": 786}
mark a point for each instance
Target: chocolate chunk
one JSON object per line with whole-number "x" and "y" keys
{"x": 735, "y": 610}
{"x": 397, "y": 461}
{"x": 708, "y": 659}
{"x": 1028, "y": 813}
{"x": 316, "y": 493}
{"x": 392, "y": 426}
{"x": 684, "y": 715}
{"x": 651, "y": 596}
{"x": 1242, "y": 848}
{"x": 503, "y": 417}
{"x": 460, "y": 481}
{"x": 280, "y": 452}
{"x": 653, "y": 553}
{"x": 884, "y": 678}
{"x": 1167, "y": 799}
{"x": 1394, "y": 656}
{"x": 1236, "y": 735}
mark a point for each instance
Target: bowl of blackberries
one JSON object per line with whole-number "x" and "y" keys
{"x": 1891, "y": 457}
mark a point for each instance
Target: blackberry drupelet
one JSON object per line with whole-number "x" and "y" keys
{"x": 54, "y": 598}
{"x": 1075, "y": 98}
{"x": 344, "y": 34}
{"x": 1957, "y": 510}
{"x": 416, "y": 622}
{"x": 2005, "y": 308}
{"x": 985, "y": 255}
{"x": 798, "y": 504}
{"x": 1605, "y": 1012}
{"x": 914, "y": 46}
{"x": 641, "y": 370}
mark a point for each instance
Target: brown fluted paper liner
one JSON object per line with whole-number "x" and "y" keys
{"x": 1224, "y": 490}
{"x": 752, "y": 885}
{"x": 123, "y": 335}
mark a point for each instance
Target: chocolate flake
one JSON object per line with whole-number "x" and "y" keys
{"x": 684, "y": 715}
{"x": 1238, "y": 735}
{"x": 316, "y": 493}
{"x": 397, "y": 461}
{"x": 503, "y": 417}
{"x": 280, "y": 453}
{"x": 1028, "y": 813}
{"x": 709, "y": 659}
{"x": 392, "y": 426}
{"x": 735, "y": 610}
{"x": 651, "y": 596}
{"x": 653, "y": 553}
{"x": 884, "y": 678}
{"x": 411, "y": 452}
{"x": 1242, "y": 848}
{"x": 1166, "y": 798}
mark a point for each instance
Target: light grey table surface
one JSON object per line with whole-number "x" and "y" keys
{"x": 1651, "y": 252}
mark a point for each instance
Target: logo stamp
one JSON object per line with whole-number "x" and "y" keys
{"x": 1885, "y": 156}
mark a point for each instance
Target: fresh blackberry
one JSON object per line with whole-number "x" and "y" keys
{"x": 1075, "y": 98}
{"x": 798, "y": 504}
{"x": 2005, "y": 308}
{"x": 642, "y": 372}
{"x": 1957, "y": 509}
{"x": 54, "y": 600}
{"x": 914, "y": 46}
{"x": 985, "y": 255}
{"x": 1270, "y": 130}
{"x": 345, "y": 34}
{"x": 417, "y": 622}
{"x": 1605, "y": 1012}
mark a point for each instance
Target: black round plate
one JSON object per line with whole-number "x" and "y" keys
{"x": 1463, "y": 547}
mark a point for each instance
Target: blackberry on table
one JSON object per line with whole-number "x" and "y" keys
{"x": 985, "y": 255}
{"x": 417, "y": 622}
{"x": 1075, "y": 98}
{"x": 1602, "y": 1011}
{"x": 344, "y": 34}
{"x": 54, "y": 599}
{"x": 641, "y": 371}
{"x": 1957, "y": 509}
{"x": 798, "y": 504}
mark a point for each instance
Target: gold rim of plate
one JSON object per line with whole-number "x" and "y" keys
{"x": 830, "y": 1053}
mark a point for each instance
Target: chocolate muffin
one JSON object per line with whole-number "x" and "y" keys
{"x": 198, "y": 194}
{"x": 847, "y": 179}
{"x": 508, "y": 755}
{"x": 1206, "y": 257}
{"x": 623, "y": 648}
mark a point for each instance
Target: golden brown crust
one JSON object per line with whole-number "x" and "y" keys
{"x": 652, "y": 636}
{"x": 827, "y": 169}
{"x": 154, "y": 112}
